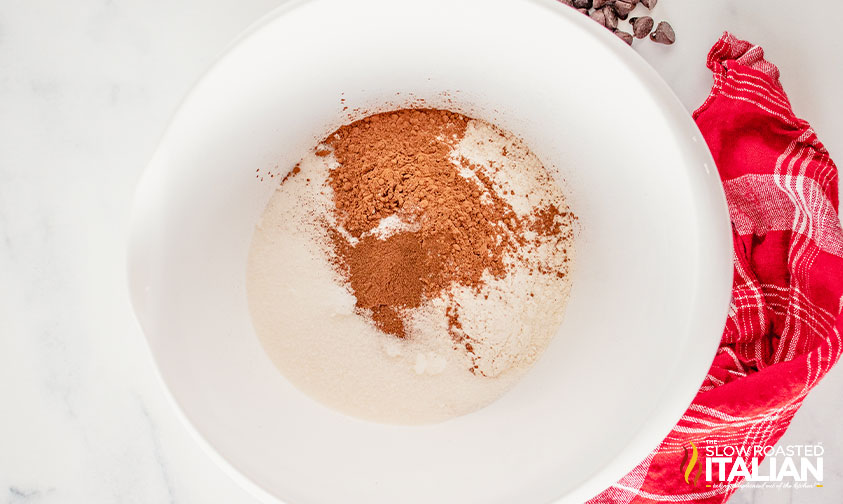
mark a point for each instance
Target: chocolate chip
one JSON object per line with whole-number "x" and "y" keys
{"x": 663, "y": 34}
{"x": 623, "y": 8}
{"x": 582, "y": 4}
{"x": 626, "y": 37}
{"x": 650, "y": 4}
{"x": 641, "y": 26}
{"x": 598, "y": 16}
{"x": 598, "y": 4}
{"x": 611, "y": 17}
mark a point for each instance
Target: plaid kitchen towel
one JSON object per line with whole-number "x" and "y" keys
{"x": 783, "y": 331}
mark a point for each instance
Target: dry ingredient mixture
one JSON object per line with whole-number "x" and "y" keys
{"x": 412, "y": 266}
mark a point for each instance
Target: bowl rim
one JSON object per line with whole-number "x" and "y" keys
{"x": 718, "y": 253}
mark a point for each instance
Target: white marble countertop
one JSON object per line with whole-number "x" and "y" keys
{"x": 86, "y": 88}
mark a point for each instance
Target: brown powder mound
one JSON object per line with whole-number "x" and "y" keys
{"x": 400, "y": 163}
{"x": 389, "y": 274}
{"x": 394, "y": 161}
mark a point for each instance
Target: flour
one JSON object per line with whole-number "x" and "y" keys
{"x": 510, "y": 320}
{"x": 518, "y": 175}
{"x": 391, "y": 225}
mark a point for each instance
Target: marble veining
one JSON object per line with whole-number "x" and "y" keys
{"x": 86, "y": 89}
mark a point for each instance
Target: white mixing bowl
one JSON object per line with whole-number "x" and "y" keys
{"x": 651, "y": 282}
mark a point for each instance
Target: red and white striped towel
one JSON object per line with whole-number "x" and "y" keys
{"x": 784, "y": 328}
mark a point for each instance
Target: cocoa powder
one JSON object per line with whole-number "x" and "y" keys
{"x": 400, "y": 164}
{"x": 390, "y": 274}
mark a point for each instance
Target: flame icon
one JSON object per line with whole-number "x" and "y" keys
{"x": 694, "y": 459}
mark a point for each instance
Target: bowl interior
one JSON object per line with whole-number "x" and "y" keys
{"x": 651, "y": 278}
